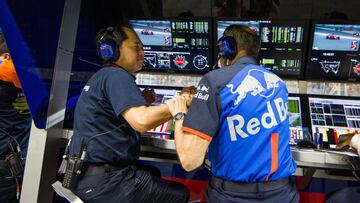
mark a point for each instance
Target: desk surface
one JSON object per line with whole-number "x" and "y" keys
{"x": 303, "y": 157}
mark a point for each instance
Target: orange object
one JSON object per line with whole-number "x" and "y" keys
{"x": 8, "y": 73}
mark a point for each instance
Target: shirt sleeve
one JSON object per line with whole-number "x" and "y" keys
{"x": 122, "y": 91}
{"x": 202, "y": 118}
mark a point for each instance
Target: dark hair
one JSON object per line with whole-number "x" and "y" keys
{"x": 116, "y": 35}
{"x": 246, "y": 38}
{"x": 3, "y": 46}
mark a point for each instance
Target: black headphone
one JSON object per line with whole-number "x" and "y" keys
{"x": 108, "y": 42}
{"x": 227, "y": 47}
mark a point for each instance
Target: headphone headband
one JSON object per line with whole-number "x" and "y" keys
{"x": 107, "y": 44}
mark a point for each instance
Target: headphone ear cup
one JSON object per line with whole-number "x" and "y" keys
{"x": 227, "y": 47}
{"x": 107, "y": 44}
{"x": 108, "y": 50}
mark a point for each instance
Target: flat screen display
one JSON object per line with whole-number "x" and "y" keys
{"x": 175, "y": 45}
{"x": 166, "y": 129}
{"x": 295, "y": 120}
{"x": 334, "y": 53}
{"x": 283, "y": 44}
{"x": 333, "y": 117}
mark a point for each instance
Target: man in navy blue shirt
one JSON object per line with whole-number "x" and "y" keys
{"x": 240, "y": 113}
{"x": 109, "y": 115}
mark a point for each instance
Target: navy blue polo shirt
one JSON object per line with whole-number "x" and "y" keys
{"x": 12, "y": 120}
{"x": 242, "y": 111}
{"x": 107, "y": 94}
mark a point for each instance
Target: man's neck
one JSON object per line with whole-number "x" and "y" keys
{"x": 238, "y": 56}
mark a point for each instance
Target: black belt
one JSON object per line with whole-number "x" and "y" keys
{"x": 94, "y": 169}
{"x": 248, "y": 187}
{"x": 3, "y": 163}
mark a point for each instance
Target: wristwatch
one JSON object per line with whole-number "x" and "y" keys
{"x": 179, "y": 116}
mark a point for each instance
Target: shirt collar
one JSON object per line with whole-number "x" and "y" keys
{"x": 246, "y": 60}
{"x": 117, "y": 66}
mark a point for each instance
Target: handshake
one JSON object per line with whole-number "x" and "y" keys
{"x": 176, "y": 104}
{"x": 181, "y": 103}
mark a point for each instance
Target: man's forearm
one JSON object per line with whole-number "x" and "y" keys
{"x": 144, "y": 118}
{"x": 190, "y": 148}
{"x": 355, "y": 142}
{"x": 155, "y": 115}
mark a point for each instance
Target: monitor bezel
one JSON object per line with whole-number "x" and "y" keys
{"x": 305, "y": 39}
{"x": 211, "y": 57}
{"x": 303, "y": 107}
{"x": 307, "y": 75}
{"x": 339, "y": 97}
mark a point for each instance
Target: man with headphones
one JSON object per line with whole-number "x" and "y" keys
{"x": 109, "y": 115}
{"x": 240, "y": 113}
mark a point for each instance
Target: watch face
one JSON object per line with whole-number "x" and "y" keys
{"x": 179, "y": 116}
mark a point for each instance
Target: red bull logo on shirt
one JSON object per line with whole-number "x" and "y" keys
{"x": 239, "y": 126}
{"x": 202, "y": 92}
{"x": 252, "y": 85}
{"x": 256, "y": 84}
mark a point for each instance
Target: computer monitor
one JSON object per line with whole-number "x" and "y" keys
{"x": 295, "y": 120}
{"x": 331, "y": 117}
{"x": 166, "y": 129}
{"x": 334, "y": 52}
{"x": 175, "y": 45}
{"x": 283, "y": 43}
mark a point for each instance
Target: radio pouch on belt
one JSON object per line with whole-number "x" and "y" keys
{"x": 72, "y": 172}
{"x": 13, "y": 162}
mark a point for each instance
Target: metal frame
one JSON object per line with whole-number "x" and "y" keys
{"x": 44, "y": 146}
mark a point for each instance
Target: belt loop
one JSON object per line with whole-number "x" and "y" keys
{"x": 222, "y": 184}
{"x": 107, "y": 168}
{"x": 260, "y": 187}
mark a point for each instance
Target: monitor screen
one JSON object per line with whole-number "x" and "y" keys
{"x": 283, "y": 44}
{"x": 175, "y": 45}
{"x": 334, "y": 52}
{"x": 295, "y": 120}
{"x": 333, "y": 117}
{"x": 166, "y": 129}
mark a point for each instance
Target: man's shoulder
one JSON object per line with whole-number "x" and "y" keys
{"x": 220, "y": 77}
{"x": 111, "y": 72}
{"x": 220, "y": 72}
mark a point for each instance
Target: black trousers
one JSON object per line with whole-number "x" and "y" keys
{"x": 350, "y": 194}
{"x": 130, "y": 184}
{"x": 285, "y": 194}
{"x": 7, "y": 186}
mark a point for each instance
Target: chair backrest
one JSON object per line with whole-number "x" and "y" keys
{"x": 65, "y": 193}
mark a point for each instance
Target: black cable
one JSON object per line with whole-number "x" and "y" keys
{"x": 13, "y": 138}
{"x": 13, "y": 151}
{"x": 353, "y": 166}
{"x": 103, "y": 133}
{"x": 11, "y": 147}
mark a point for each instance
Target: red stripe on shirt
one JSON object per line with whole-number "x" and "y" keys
{"x": 197, "y": 133}
{"x": 274, "y": 154}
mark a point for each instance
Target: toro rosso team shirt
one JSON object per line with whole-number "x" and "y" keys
{"x": 98, "y": 120}
{"x": 242, "y": 111}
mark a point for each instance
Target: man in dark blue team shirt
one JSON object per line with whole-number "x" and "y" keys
{"x": 240, "y": 113}
{"x": 108, "y": 116}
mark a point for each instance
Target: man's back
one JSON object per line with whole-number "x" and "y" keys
{"x": 253, "y": 134}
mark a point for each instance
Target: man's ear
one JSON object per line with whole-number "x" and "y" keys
{"x": 222, "y": 62}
